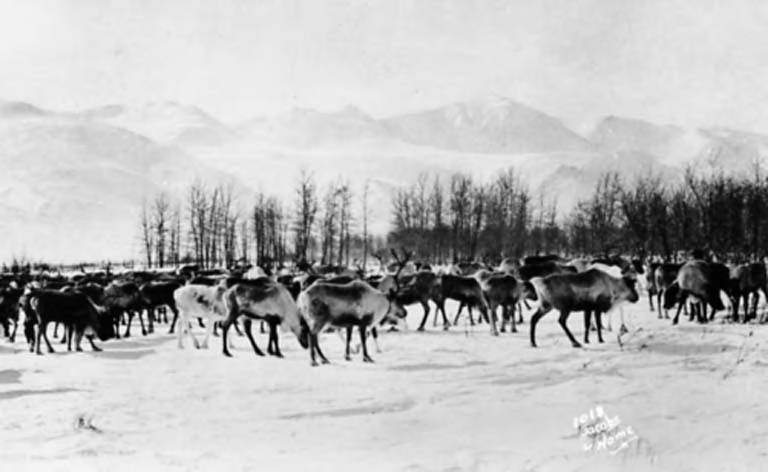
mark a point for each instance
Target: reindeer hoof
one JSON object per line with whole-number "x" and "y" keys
{"x": 576, "y": 344}
{"x": 368, "y": 359}
{"x": 278, "y": 354}
{"x": 314, "y": 364}
{"x": 227, "y": 353}
{"x": 348, "y": 358}
{"x": 97, "y": 349}
{"x": 420, "y": 328}
{"x": 446, "y": 327}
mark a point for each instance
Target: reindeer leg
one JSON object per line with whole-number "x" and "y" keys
{"x": 375, "y": 336}
{"x": 175, "y": 317}
{"x": 224, "y": 330}
{"x": 520, "y": 307}
{"x": 128, "y": 325}
{"x": 200, "y": 322}
{"x": 15, "y": 327}
{"x": 650, "y": 301}
{"x": 247, "y": 329}
{"x": 273, "y": 334}
{"x": 680, "y": 305}
{"x": 141, "y": 321}
{"x": 180, "y": 336}
{"x": 458, "y": 313}
{"x": 587, "y": 324}
{"x": 47, "y": 342}
{"x": 362, "y": 330}
{"x": 504, "y": 317}
{"x": 94, "y": 347}
{"x": 150, "y": 322}
{"x": 208, "y": 330}
{"x": 237, "y": 329}
{"x": 424, "y": 320}
{"x": 347, "y": 355}
{"x": 599, "y": 322}
{"x": 312, "y": 344}
{"x": 39, "y": 335}
{"x": 56, "y": 329}
{"x": 78, "y": 338}
{"x": 511, "y": 314}
{"x": 323, "y": 359}
{"x": 68, "y": 335}
{"x": 562, "y": 320}
{"x": 186, "y": 326}
{"x": 534, "y": 320}
{"x": 491, "y": 317}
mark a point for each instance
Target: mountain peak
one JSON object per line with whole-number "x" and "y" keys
{"x": 493, "y": 124}
{"x": 14, "y": 109}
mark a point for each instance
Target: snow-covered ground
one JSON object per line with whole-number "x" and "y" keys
{"x": 452, "y": 401}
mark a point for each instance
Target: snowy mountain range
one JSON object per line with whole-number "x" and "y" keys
{"x": 73, "y": 181}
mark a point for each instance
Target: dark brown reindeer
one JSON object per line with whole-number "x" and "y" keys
{"x": 79, "y": 315}
{"x": 467, "y": 291}
{"x": 590, "y": 291}
{"x": 503, "y": 290}
{"x": 702, "y": 281}
{"x": 418, "y": 287}
{"x": 747, "y": 280}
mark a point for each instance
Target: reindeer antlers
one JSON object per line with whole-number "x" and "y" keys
{"x": 401, "y": 262}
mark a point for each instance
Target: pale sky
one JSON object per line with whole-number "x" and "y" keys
{"x": 695, "y": 62}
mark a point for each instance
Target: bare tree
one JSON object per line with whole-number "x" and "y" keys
{"x": 306, "y": 211}
{"x": 147, "y": 235}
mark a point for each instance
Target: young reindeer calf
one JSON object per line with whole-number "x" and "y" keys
{"x": 199, "y": 301}
{"x": 588, "y": 291}
{"x": 349, "y": 305}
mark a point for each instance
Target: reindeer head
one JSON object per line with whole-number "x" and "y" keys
{"x": 401, "y": 263}
{"x": 629, "y": 291}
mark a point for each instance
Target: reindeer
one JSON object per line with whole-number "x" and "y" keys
{"x": 465, "y": 290}
{"x": 353, "y": 304}
{"x": 413, "y": 288}
{"x": 701, "y": 280}
{"x": 745, "y": 280}
{"x": 261, "y": 299}
{"x": 588, "y": 291}
{"x": 502, "y": 290}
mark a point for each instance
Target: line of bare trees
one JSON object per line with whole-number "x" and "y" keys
{"x": 465, "y": 219}
{"x": 460, "y": 218}
{"x": 211, "y": 228}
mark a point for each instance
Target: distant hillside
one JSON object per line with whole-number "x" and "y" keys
{"x": 71, "y": 188}
{"x": 73, "y": 182}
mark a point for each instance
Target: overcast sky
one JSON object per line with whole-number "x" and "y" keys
{"x": 696, "y": 62}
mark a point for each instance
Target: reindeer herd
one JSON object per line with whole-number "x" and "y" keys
{"x": 313, "y": 300}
